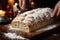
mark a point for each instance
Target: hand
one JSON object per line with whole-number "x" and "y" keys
{"x": 56, "y": 11}
{"x": 22, "y": 4}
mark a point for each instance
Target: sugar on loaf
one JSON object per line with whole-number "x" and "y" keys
{"x": 32, "y": 20}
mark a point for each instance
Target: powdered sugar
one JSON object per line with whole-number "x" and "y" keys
{"x": 14, "y": 36}
{"x": 35, "y": 15}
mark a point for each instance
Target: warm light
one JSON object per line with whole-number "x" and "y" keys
{"x": 32, "y": 3}
{"x": 15, "y": 5}
{"x": 2, "y": 13}
{"x": 11, "y": 1}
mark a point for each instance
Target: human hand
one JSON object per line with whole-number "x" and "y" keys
{"x": 56, "y": 11}
{"x": 22, "y": 4}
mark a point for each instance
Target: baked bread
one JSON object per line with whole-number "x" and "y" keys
{"x": 32, "y": 20}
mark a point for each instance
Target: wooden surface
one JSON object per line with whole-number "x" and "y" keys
{"x": 49, "y": 35}
{"x": 52, "y": 34}
{"x": 35, "y": 33}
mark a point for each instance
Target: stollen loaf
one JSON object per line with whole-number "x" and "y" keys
{"x": 32, "y": 20}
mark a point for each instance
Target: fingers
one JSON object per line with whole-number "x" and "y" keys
{"x": 58, "y": 13}
{"x": 54, "y": 11}
{"x": 22, "y": 4}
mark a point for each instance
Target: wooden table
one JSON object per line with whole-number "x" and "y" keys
{"x": 53, "y": 34}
